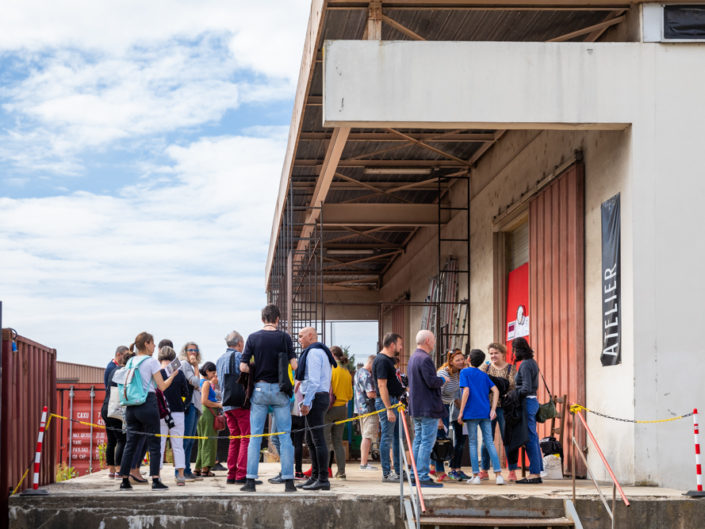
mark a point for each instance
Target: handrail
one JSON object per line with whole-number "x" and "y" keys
{"x": 615, "y": 483}
{"x": 418, "y": 506}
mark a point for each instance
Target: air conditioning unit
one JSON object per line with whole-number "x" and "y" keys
{"x": 673, "y": 23}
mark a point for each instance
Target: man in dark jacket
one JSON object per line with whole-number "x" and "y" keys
{"x": 425, "y": 404}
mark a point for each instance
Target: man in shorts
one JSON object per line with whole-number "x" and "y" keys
{"x": 365, "y": 395}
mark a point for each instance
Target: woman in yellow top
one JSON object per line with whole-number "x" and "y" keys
{"x": 342, "y": 387}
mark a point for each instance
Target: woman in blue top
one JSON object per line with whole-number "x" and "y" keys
{"x": 207, "y": 447}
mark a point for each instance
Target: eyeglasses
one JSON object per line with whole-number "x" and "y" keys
{"x": 191, "y": 350}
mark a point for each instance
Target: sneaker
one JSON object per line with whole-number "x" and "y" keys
{"x": 367, "y": 467}
{"x": 427, "y": 483}
{"x": 392, "y": 477}
{"x": 499, "y": 480}
{"x": 454, "y": 475}
{"x": 431, "y": 472}
{"x": 463, "y": 475}
{"x": 276, "y": 480}
{"x": 218, "y": 466}
{"x": 299, "y": 475}
{"x": 512, "y": 476}
{"x": 341, "y": 476}
{"x": 475, "y": 480}
{"x": 484, "y": 476}
{"x": 441, "y": 477}
{"x": 192, "y": 477}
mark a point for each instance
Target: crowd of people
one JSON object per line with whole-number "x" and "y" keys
{"x": 307, "y": 397}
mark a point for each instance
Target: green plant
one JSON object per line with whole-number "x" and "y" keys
{"x": 351, "y": 359}
{"x": 65, "y": 472}
{"x": 102, "y": 449}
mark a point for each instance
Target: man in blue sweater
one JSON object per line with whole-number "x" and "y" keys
{"x": 425, "y": 404}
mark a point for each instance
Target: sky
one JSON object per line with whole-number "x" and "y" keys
{"x": 141, "y": 148}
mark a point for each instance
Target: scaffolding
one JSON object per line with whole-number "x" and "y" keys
{"x": 297, "y": 279}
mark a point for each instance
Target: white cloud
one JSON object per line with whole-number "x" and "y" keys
{"x": 85, "y": 272}
{"x": 87, "y": 74}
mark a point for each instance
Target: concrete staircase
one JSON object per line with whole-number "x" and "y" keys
{"x": 439, "y": 522}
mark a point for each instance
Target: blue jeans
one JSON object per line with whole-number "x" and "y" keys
{"x": 485, "y": 454}
{"x": 425, "y": 429}
{"x": 389, "y": 435}
{"x": 263, "y": 396}
{"x": 533, "y": 450}
{"x": 485, "y": 427}
{"x": 190, "y": 425}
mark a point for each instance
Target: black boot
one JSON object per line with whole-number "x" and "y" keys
{"x": 125, "y": 483}
{"x": 289, "y": 485}
{"x": 157, "y": 484}
{"x": 317, "y": 485}
{"x": 249, "y": 486}
{"x": 309, "y": 481}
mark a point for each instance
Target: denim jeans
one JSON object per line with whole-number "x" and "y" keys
{"x": 533, "y": 450}
{"x": 485, "y": 454}
{"x": 425, "y": 429}
{"x": 485, "y": 427}
{"x": 190, "y": 425}
{"x": 389, "y": 436}
{"x": 263, "y": 396}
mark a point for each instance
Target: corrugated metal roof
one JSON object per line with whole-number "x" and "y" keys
{"x": 79, "y": 373}
{"x": 368, "y": 149}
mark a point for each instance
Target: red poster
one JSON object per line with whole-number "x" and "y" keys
{"x": 517, "y": 307}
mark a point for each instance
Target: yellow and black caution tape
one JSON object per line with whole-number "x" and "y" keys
{"x": 577, "y": 407}
{"x": 271, "y": 434}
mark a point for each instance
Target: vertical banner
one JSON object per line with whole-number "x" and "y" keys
{"x": 517, "y": 302}
{"x": 611, "y": 284}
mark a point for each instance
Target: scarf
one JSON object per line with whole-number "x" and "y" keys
{"x": 301, "y": 370}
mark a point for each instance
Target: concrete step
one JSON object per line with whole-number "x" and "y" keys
{"x": 476, "y": 521}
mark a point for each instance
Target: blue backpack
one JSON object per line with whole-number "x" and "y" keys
{"x": 131, "y": 391}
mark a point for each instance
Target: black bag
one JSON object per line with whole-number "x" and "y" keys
{"x": 442, "y": 450}
{"x": 547, "y": 410}
{"x": 550, "y": 446}
{"x": 233, "y": 392}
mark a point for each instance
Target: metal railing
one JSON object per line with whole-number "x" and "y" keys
{"x": 616, "y": 487}
{"x": 410, "y": 508}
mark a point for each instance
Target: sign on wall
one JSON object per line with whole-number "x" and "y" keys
{"x": 611, "y": 284}
{"x": 517, "y": 303}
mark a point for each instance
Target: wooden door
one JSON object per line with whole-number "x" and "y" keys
{"x": 557, "y": 291}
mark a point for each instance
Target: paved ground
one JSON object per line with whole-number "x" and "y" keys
{"x": 357, "y": 483}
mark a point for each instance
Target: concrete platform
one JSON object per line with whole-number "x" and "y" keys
{"x": 361, "y": 500}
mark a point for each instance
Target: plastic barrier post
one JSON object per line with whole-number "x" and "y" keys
{"x": 35, "y": 490}
{"x": 698, "y": 493}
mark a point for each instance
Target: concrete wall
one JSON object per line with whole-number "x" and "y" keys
{"x": 656, "y": 163}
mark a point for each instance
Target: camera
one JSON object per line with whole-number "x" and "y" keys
{"x": 169, "y": 420}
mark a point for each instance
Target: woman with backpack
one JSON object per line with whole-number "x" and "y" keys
{"x": 498, "y": 367}
{"x": 143, "y": 418}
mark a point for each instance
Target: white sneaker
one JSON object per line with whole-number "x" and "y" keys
{"x": 475, "y": 480}
{"x": 392, "y": 477}
{"x": 499, "y": 480}
{"x": 367, "y": 467}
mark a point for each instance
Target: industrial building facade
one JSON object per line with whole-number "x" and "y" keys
{"x": 491, "y": 170}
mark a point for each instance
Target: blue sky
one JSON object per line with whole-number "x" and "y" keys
{"x": 141, "y": 147}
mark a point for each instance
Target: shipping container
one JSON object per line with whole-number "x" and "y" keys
{"x": 81, "y": 446}
{"x": 28, "y": 384}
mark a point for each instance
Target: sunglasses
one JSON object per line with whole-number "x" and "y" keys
{"x": 191, "y": 350}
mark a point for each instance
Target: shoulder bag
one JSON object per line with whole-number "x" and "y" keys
{"x": 547, "y": 410}
{"x": 218, "y": 420}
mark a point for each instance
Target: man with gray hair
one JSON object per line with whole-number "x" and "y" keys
{"x": 238, "y": 417}
{"x": 425, "y": 404}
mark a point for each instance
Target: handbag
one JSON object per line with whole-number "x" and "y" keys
{"x": 547, "y": 410}
{"x": 442, "y": 449}
{"x": 218, "y": 420}
{"x": 115, "y": 411}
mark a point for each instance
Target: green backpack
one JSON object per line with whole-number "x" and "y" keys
{"x": 131, "y": 391}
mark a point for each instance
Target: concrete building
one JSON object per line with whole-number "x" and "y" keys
{"x": 481, "y": 148}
